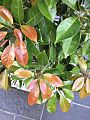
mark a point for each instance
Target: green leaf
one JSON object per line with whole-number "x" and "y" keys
{"x": 70, "y": 45}
{"x": 75, "y": 70}
{"x": 52, "y": 54}
{"x": 67, "y": 28}
{"x": 7, "y": 4}
{"x": 51, "y": 3}
{"x": 42, "y": 58}
{"x": 68, "y": 93}
{"x": 71, "y": 3}
{"x": 64, "y": 104}
{"x": 52, "y": 104}
{"x": 48, "y": 13}
{"x": 1, "y": 2}
{"x": 86, "y": 47}
{"x": 60, "y": 67}
{"x": 5, "y": 23}
{"x": 17, "y": 10}
{"x": 34, "y": 16}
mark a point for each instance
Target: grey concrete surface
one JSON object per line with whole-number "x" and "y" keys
{"x": 14, "y": 106}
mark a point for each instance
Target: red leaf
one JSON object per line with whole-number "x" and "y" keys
{"x": 18, "y": 34}
{"x": 45, "y": 90}
{"x": 3, "y": 43}
{"x": 2, "y": 35}
{"x": 8, "y": 56}
{"x": 21, "y": 52}
{"x": 34, "y": 93}
{"x": 53, "y": 79}
{"x": 30, "y": 32}
{"x": 6, "y": 14}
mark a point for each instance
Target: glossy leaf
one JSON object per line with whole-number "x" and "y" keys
{"x": 21, "y": 52}
{"x": 18, "y": 34}
{"x": 22, "y": 73}
{"x": 52, "y": 104}
{"x": 68, "y": 93}
{"x": 78, "y": 84}
{"x": 45, "y": 90}
{"x": 83, "y": 93}
{"x": 53, "y": 80}
{"x": 70, "y": 45}
{"x": 2, "y": 35}
{"x": 34, "y": 16}
{"x": 82, "y": 64}
{"x": 3, "y": 43}
{"x": 71, "y": 3}
{"x": 88, "y": 85}
{"x": 71, "y": 25}
{"x": 5, "y": 81}
{"x": 30, "y": 32}
{"x": 64, "y": 104}
{"x": 48, "y": 13}
{"x": 51, "y": 3}
{"x": 17, "y": 10}
{"x": 34, "y": 94}
{"x": 8, "y": 56}
{"x": 6, "y": 14}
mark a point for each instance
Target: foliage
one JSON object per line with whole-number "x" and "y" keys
{"x": 45, "y": 44}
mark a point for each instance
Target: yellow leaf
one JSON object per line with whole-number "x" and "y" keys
{"x": 88, "y": 85}
{"x": 78, "y": 84}
{"x": 83, "y": 93}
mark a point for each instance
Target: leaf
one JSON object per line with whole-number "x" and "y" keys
{"x": 5, "y": 81}
{"x": 48, "y": 13}
{"x": 6, "y": 14}
{"x": 70, "y": 45}
{"x": 53, "y": 80}
{"x": 67, "y": 28}
{"x": 8, "y": 56}
{"x": 34, "y": 16}
{"x": 52, "y": 53}
{"x": 82, "y": 64}
{"x": 34, "y": 94}
{"x": 5, "y": 23}
{"x": 22, "y": 73}
{"x": 52, "y": 104}
{"x": 88, "y": 85}
{"x": 86, "y": 47}
{"x": 30, "y": 32}
{"x": 78, "y": 84}
{"x": 51, "y": 3}
{"x": 7, "y": 4}
{"x": 68, "y": 93}
{"x": 45, "y": 90}
{"x": 42, "y": 58}
{"x": 3, "y": 43}
{"x": 17, "y": 10}
{"x": 21, "y": 52}
{"x": 2, "y": 35}
{"x": 83, "y": 93}
{"x": 64, "y": 104}
{"x": 71, "y": 3}
{"x": 1, "y": 26}
{"x": 18, "y": 34}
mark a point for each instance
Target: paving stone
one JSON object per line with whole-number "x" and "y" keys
{"x": 6, "y": 116}
{"x": 75, "y": 113}
{"x": 21, "y": 118}
{"x": 16, "y": 101}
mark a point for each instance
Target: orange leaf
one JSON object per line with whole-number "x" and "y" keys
{"x": 83, "y": 93}
{"x": 45, "y": 90}
{"x": 8, "y": 56}
{"x": 6, "y": 14}
{"x": 2, "y": 35}
{"x": 30, "y": 32}
{"x": 18, "y": 34}
{"x": 3, "y": 43}
{"x": 21, "y": 52}
{"x": 22, "y": 73}
{"x": 34, "y": 93}
{"x": 88, "y": 85}
{"x": 53, "y": 79}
